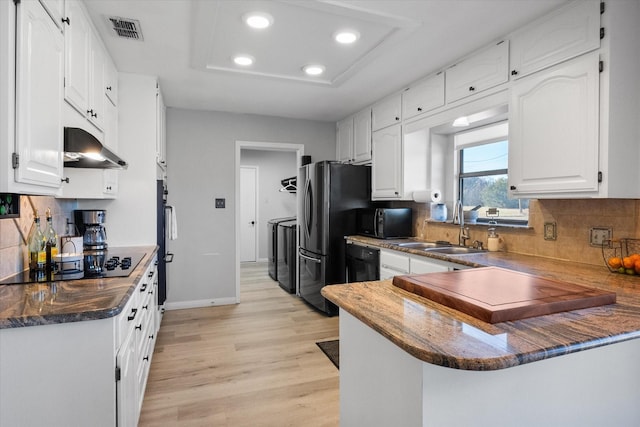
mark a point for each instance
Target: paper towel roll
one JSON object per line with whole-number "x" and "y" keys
{"x": 433, "y": 196}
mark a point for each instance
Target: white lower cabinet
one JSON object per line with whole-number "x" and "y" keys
{"x": 86, "y": 373}
{"x": 396, "y": 263}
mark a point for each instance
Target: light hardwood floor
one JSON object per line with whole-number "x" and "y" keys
{"x": 250, "y": 364}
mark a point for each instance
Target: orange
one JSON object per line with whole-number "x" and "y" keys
{"x": 634, "y": 257}
{"x": 636, "y": 266}
{"x": 627, "y": 262}
{"x": 615, "y": 262}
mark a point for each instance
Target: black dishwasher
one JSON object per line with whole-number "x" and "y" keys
{"x": 363, "y": 263}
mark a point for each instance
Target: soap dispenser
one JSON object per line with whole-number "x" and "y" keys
{"x": 493, "y": 243}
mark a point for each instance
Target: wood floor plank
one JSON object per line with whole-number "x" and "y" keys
{"x": 251, "y": 364}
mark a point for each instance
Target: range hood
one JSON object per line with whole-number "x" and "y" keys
{"x": 83, "y": 150}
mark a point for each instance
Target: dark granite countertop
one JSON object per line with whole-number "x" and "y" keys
{"x": 439, "y": 335}
{"x": 70, "y": 301}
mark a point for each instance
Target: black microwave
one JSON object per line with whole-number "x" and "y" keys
{"x": 385, "y": 223}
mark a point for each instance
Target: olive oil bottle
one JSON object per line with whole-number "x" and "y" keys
{"x": 36, "y": 241}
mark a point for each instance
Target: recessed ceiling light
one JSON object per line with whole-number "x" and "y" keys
{"x": 244, "y": 60}
{"x": 258, "y": 20}
{"x": 313, "y": 70}
{"x": 346, "y": 36}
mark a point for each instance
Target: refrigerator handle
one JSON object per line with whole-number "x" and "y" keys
{"x": 168, "y": 257}
{"x": 316, "y": 260}
{"x": 308, "y": 208}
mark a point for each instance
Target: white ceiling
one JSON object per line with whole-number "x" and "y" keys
{"x": 188, "y": 44}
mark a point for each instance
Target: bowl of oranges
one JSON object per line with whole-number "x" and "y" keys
{"x": 622, "y": 256}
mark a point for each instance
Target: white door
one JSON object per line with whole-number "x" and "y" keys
{"x": 248, "y": 214}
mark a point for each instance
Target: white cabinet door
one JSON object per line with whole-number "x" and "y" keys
{"x": 161, "y": 142}
{"x": 424, "y": 96}
{"x": 78, "y": 57}
{"x": 39, "y": 83}
{"x": 344, "y": 140}
{"x": 362, "y": 136}
{"x": 386, "y": 113}
{"x": 425, "y": 265}
{"x": 55, "y": 8}
{"x": 479, "y": 72}
{"x": 111, "y": 80}
{"x": 553, "y": 131}
{"x": 127, "y": 385}
{"x": 566, "y": 33}
{"x": 97, "y": 97}
{"x": 386, "y": 169}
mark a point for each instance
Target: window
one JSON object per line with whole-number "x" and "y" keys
{"x": 483, "y": 155}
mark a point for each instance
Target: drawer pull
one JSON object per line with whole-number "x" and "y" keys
{"x": 139, "y": 327}
{"x": 143, "y": 288}
{"x": 146, "y": 307}
{"x": 146, "y": 358}
{"x": 132, "y": 316}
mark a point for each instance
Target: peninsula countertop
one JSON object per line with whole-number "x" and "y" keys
{"x": 443, "y": 336}
{"x": 72, "y": 300}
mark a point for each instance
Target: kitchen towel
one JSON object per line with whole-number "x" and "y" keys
{"x": 433, "y": 196}
{"x": 172, "y": 222}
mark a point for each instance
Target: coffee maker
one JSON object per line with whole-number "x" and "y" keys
{"x": 90, "y": 223}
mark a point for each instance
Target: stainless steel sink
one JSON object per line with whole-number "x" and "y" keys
{"x": 420, "y": 245}
{"x": 455, "y": 250}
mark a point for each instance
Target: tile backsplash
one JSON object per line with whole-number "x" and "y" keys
{"x": 573, "y": 218}
{"x": 14, "y": 231}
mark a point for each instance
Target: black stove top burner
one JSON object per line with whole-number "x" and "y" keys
{"x": 119, "y": 263}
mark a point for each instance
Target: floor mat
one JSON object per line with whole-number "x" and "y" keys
{"x": 332, "y": 350}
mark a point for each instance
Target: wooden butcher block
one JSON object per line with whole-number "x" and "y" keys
{"x": 494, "y": 294}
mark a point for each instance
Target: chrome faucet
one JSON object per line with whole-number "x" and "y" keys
{"x": 464, "y": 231}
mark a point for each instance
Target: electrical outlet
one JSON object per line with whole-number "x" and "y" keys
{"x": 220, "y": 203}
{"x": 550, "y": 231}
{"x": 599, "y": 235}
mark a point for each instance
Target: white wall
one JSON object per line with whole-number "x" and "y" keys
{"x": 273, "y": 166}
{"x": 201, "y": 168}
{"x": 131, "y": 218}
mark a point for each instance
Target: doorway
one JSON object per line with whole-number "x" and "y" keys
{"x": 248, "y": 213}
{"x": 296, "y": 151}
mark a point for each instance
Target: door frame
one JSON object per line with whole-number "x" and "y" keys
{"x": 260, "y": 146}
{"x": 256, "y": 236}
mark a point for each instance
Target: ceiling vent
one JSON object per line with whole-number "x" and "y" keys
{"x": 126, "y": 28}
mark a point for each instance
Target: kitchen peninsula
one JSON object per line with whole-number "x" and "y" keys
{"x": 405, "y": 360}
{"x": 78, "y": 352}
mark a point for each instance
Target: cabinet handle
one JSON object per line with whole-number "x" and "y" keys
{"x": 513, "y": 187}
{"x": 146, "y": 358}
{"x": 139, "y": 327}
{"x": 132, "y": 316}
{"x": 109, "y": 88}
{"x": 395, "y": 192}
{"x": 150, "y": 274}
{"x": 397, "y": 118}
{"x": 94, "y": 115}
{"x": 419, "y": 108}
{"x": 66, "y": 20}
{"x": 471, "y": 88}
{"x": 151, "y": 336}
{"x": 90, "y": 112}
{"x": 514, "y": 73}
{"x": 143, "y": 288}
{"x": 146, "y": 307}
{"x": 65, "y": 180}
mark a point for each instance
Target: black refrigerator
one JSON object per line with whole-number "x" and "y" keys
{"x": 329, "y": 194}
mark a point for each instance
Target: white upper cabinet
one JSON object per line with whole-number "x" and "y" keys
{"x": 161, "y": 138}
{"x": 77, "y": 57}
{"x": 84, "y": 65}
{"x": 566, "y": 33}
{"x": 39, "y": 83}
{"x": 386, "y": 112}
{"x": 362, "y": 136}
{"x": 344, "y": 140}
{"x": 553, "y": 131}
{"x": 55, "y": 9}
{"x": 424, "y": 96}
{"x": 111, "y": 80}
{"x": 386, "y": 168}
{"x": 484, "y": 70}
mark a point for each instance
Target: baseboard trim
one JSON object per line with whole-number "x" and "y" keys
{"x": 180, "y": 305}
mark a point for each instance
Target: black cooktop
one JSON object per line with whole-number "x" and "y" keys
{"x": 118, "y": 263}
